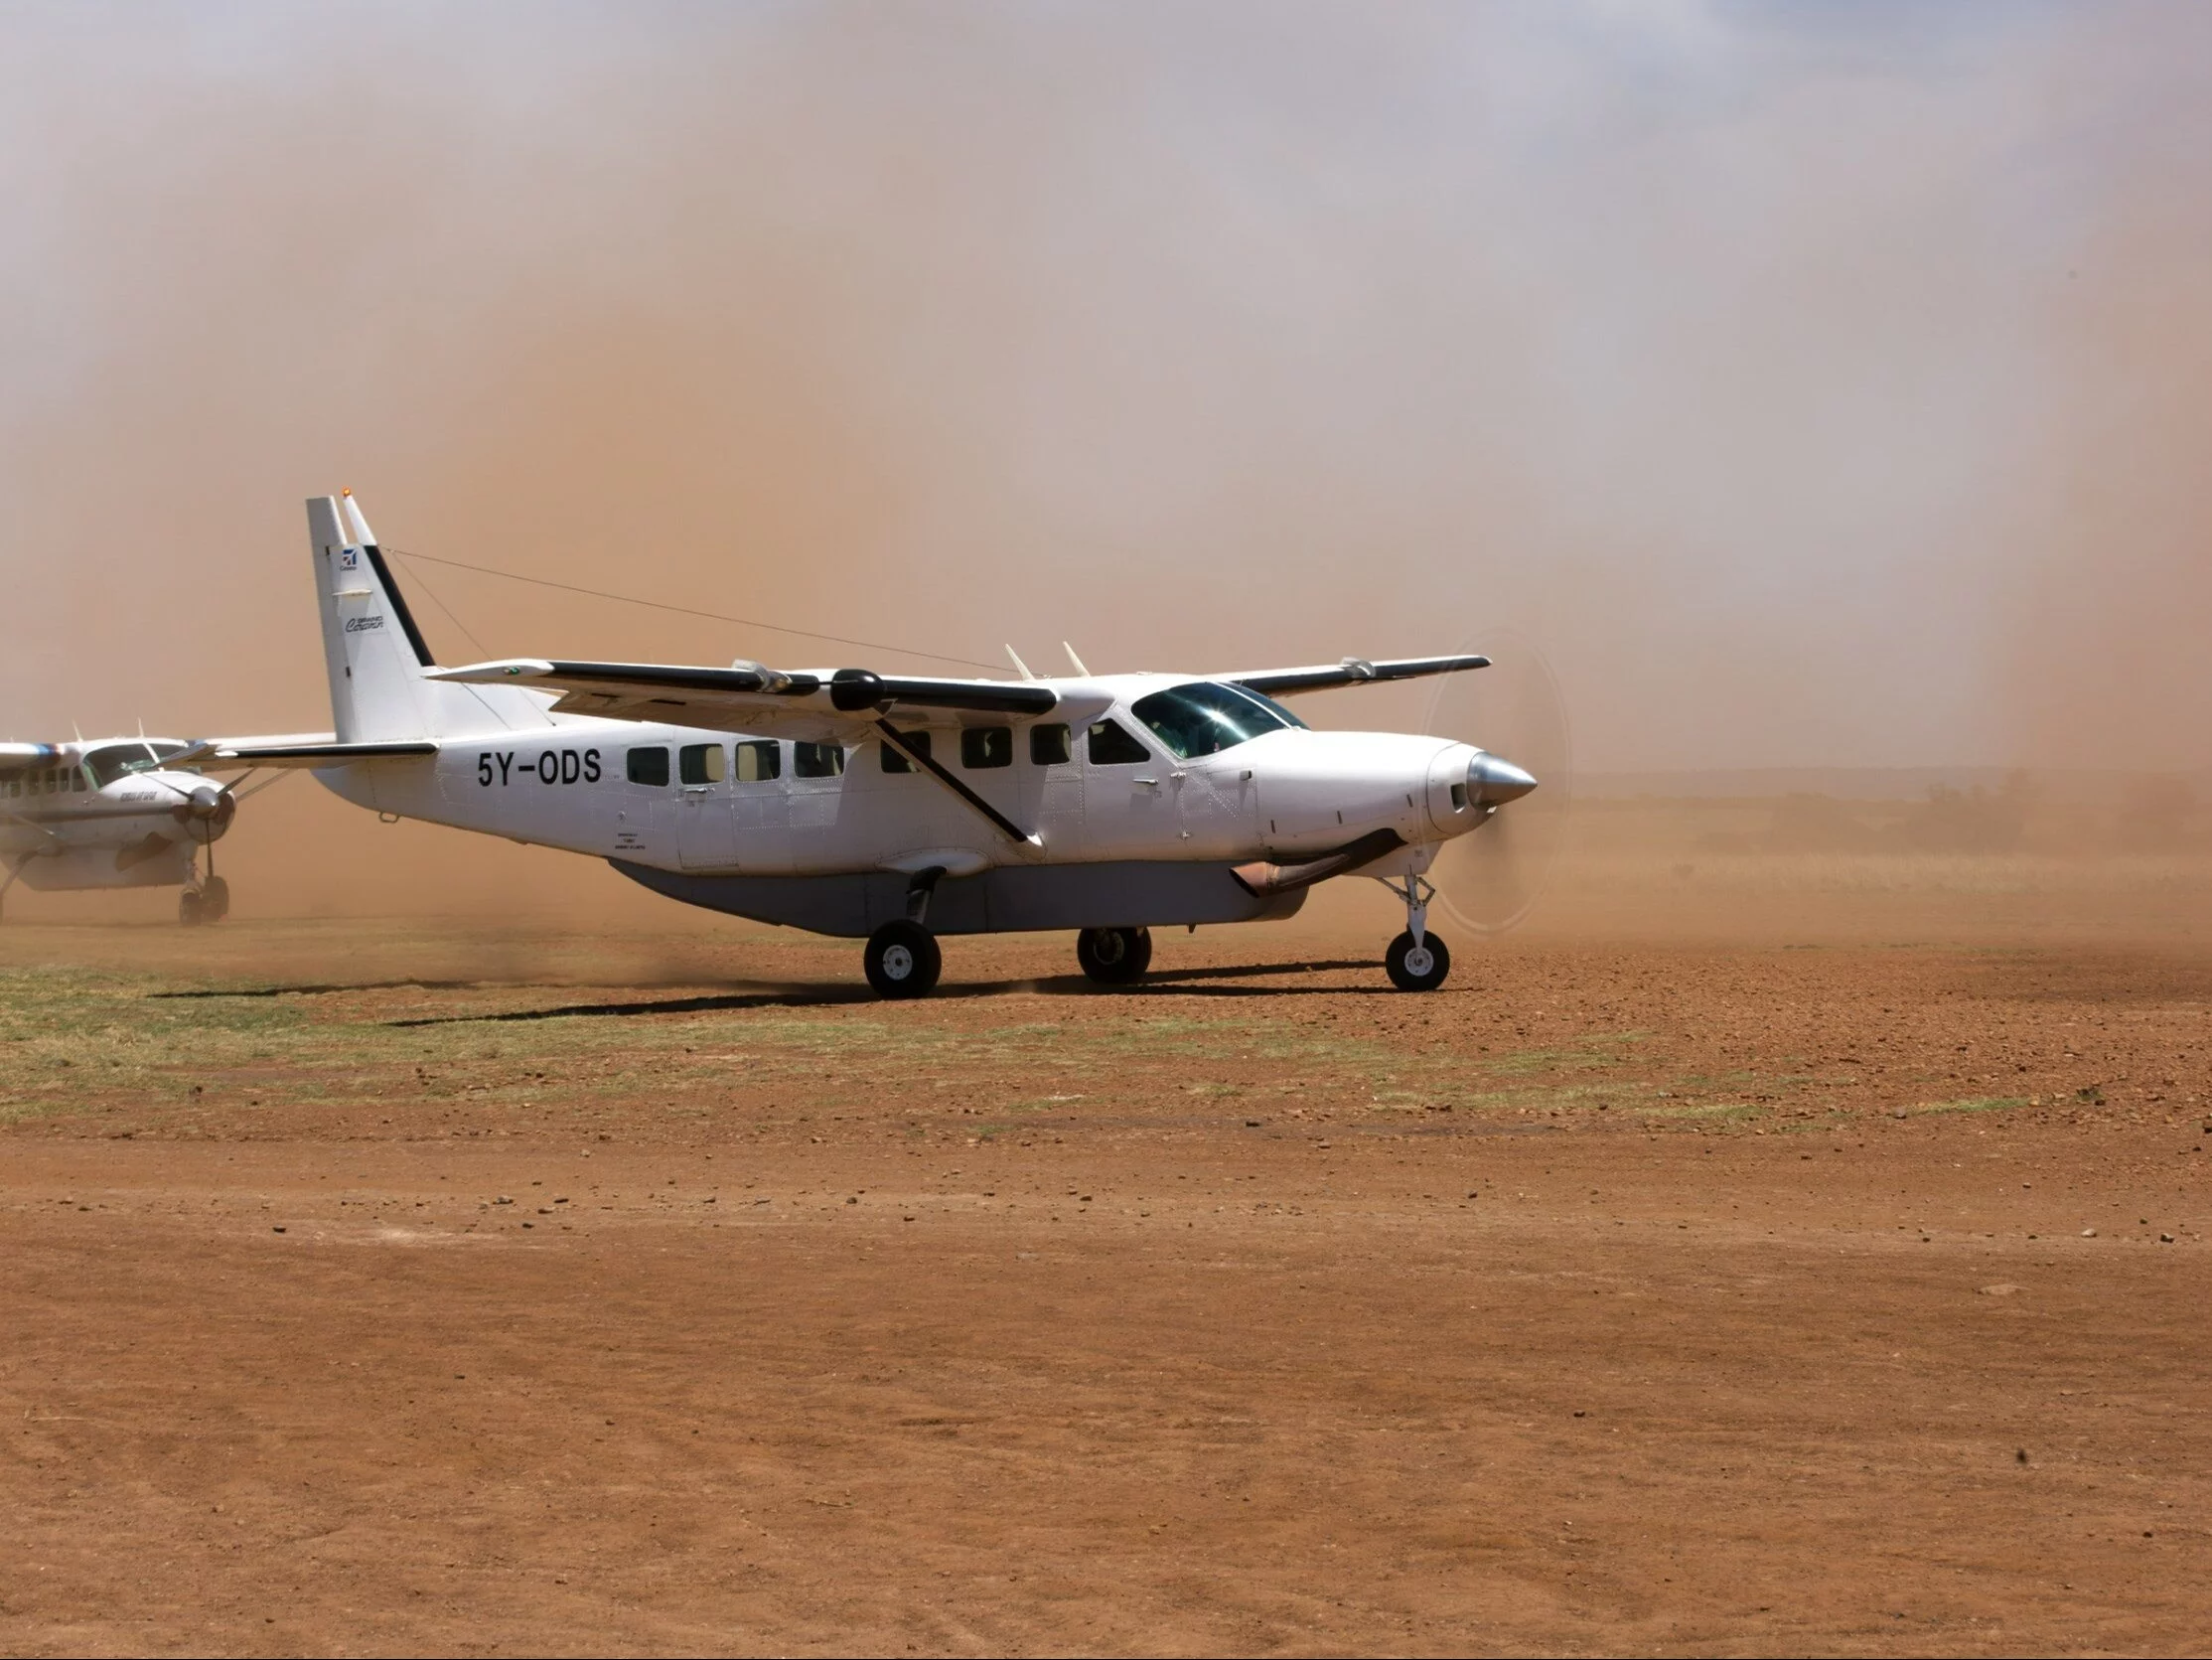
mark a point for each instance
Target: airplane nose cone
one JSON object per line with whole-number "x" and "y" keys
{"x": 1493, "y": 781}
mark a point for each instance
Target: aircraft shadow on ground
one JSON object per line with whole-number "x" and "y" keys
{"x": 326, "y": 991}
{"x": 1169, "y": 982}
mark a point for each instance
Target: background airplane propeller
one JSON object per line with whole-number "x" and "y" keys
{"x": 204, "y": 810}
{"x": 1489, "y": 880}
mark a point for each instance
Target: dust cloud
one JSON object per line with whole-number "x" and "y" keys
{"x": 1822, "y": 390}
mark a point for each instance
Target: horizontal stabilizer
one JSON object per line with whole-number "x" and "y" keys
{"x": 1353, "y": 671}
{"x": 304, "y": 751}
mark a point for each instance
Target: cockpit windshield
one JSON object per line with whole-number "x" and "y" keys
{"x": 111, "y": 761}
{"x": 108, "y": 764}
{"x": 1208, "y": 716}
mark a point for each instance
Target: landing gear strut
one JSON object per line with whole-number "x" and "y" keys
{"x": 1418, "y": 959}
{"x": 1114, "y": 956}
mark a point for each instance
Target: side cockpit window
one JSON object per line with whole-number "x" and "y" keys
{"x": 649, "y": 766}
{"x": 1112, "y": 746}
{"x": 1048, "y": 744}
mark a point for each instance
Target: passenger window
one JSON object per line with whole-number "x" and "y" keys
{"x": 757, "y": 763}
{"x": 892, "y": 761}
{"x": 817, "y": 760}
{"x": 699, "y": 763}
{"x": 988, "y": 746}
{"x": 1048, "y": 744}
{"x": 1111, "y": 746}
{"x": 649, "y": 766}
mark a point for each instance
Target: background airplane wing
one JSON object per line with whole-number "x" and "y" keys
{"x": 1353, "y": 671}
{"x": 748, "y": 697}
{"x": 24, "y": 757}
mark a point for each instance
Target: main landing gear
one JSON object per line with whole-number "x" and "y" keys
{"x": 1114, "y": 956}
{"x": 1418, "y": 959}
{"x": 903, "y": 959}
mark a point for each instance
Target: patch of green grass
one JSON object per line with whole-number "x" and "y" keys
{"x": 1600, "y": 1049}
{"x": 1721, "y": 1110}
{"x": 1976, "y": 1104}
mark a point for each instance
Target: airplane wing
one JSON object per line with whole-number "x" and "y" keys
{"x": 1353, "y": 671}
{"x": 24, "y": 757}
{"x": 748, "y": 697}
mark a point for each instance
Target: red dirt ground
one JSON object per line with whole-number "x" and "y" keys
{"x": 1668, "y": 1300}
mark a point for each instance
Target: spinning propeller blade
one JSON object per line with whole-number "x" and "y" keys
{"x": 1490, "y": 878}
{"x": 205, "y": 809}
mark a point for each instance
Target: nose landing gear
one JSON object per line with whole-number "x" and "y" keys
{"x": 1418, "y": 959}
{"x": 205, "y": 900}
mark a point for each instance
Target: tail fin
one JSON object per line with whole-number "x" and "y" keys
{"x": 375, "y": 652}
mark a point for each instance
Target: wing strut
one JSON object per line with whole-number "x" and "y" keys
{"x": 921, "y": 758}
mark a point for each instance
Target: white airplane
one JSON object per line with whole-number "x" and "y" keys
{"x": 893, "y": 808}
{"x": 114, "y": 813}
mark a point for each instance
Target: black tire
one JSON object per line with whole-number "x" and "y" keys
{"x": 1114, "y": 956}
{"x": 214, "y": 898}
{"x": 191, "y": 910}
{"x": 1419, "y": 968}
{"x": 903, "y": 959}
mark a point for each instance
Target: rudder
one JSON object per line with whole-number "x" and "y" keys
{"x": 375, "y": 652}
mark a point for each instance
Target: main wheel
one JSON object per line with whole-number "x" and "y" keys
{"x": 903, "y": 959}
{"x": 1114, "y": 956}
{"x": 191, "y": 911}
{"x": 214, "y": 898}
{"x": 1418, "y": 967}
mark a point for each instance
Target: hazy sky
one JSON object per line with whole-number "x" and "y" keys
{"x": 1822, "y": 384}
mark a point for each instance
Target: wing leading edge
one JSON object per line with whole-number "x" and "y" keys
{"x": 1353, "y": 671}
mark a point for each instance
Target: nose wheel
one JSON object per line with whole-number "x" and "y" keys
{"x": 1418, "y": 959}
{"x": 903, "y": 959}
{"x": 206, "y": 900}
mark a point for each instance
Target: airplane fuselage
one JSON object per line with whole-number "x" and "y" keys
{"x": 104, "y": 814}
{"x": 1093, "y": 785}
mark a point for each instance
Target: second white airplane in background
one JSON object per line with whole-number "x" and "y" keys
{"x": 896, "y": 807}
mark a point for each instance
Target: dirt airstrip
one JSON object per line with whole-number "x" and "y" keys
{"x": 390, "y": 1289}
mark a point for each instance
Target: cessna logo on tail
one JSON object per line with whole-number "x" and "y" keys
{"x": 348, "y": 559}
{"x": 361, "y": 625}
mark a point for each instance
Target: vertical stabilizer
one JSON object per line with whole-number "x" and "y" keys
{"x": 376, "y": 653}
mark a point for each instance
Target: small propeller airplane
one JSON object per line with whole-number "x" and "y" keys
{"x": 895, "y": 808}
{"x": 115, "y": 813}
